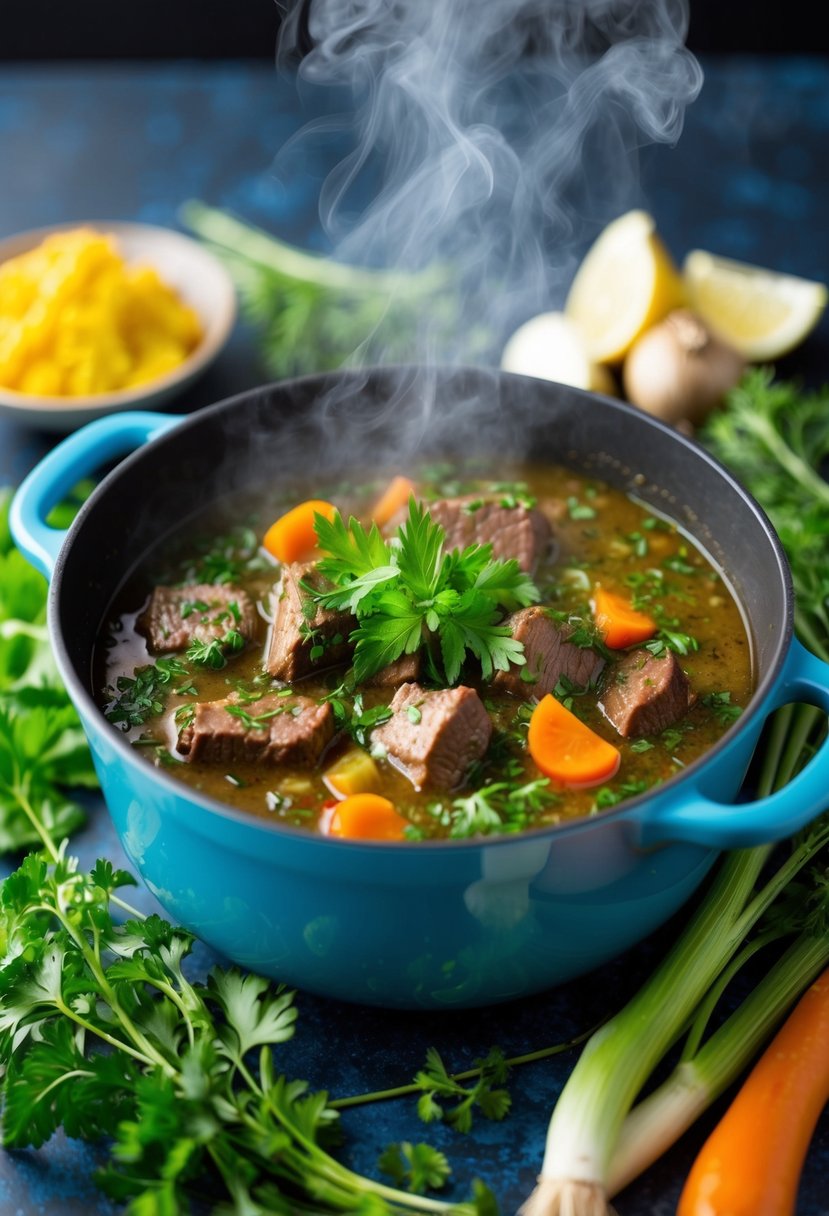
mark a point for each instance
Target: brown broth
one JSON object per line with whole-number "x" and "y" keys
{"x": 601, "y": 535}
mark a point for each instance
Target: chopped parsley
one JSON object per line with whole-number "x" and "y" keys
{"x": 721, "y": 705}
{"x": 612, "y": 795}
{"x": 351, "y": 716}
{"x": 497, "y": 808}
{"x": 579, "y": 510}
{"x": 141, "y": 696}
{"x": 212, "y": 653}
{"x": 255, "y": 721}
{"x": 223, "y": 559}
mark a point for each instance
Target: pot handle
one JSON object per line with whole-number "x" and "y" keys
{"x": 74, "y": 458}
{"x": 698, "y": 819}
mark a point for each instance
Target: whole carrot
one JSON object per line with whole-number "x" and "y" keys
{"x": 751, "y": 1163}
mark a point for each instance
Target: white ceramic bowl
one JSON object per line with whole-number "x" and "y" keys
{"x": 200, "y": 279}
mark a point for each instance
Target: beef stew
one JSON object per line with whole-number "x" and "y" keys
{"x": 238, "y": 671}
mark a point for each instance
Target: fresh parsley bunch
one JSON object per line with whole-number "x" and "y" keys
{"x": 410, "y": 594}
{"x": 103, "y": 1034}
{"x": 42, "y": 745}
{"x": 775, "y": 438}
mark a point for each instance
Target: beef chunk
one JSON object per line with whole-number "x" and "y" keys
{"x": 433, "y": 737}
{"x": 549, "y": 657}
{"x": 645, "y": 693}
{"x": 299, "y": 628}
{"x": 404, "y": 669}
{"x": 272, "y": 730}
{"x": 516, "y": 532}
{"x": 202, "y": 612}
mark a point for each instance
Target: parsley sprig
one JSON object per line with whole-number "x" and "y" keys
{"x": 409, "y": 594}
{"x": 103, "y": 1034}
{"x": 444, "y": 1097}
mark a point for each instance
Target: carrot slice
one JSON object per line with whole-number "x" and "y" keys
{"x": 751, "y": 1163}
{"x": 396, "y": 494}
{"x": 292, "y": 536}
{"x": 618, "y": 621}
{"x": 367, "y": 817}
{"x": 567, "y": 750}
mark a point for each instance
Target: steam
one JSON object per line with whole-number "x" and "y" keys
{"x": 495, "y": 137}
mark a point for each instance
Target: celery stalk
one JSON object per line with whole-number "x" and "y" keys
{"x": 660, "y": 1119}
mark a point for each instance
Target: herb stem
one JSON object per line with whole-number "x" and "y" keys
{"x": 258, "y": 246}
{"x": 126, "y": 907}
{"x": 105, "y": 1037}
{"x": 402, "y": 1091}
{"x": 92, "y": 958}
{"x": 49, "y": 845}
{"x": 331, "y": 1169}
{"x": 801, "y": 473}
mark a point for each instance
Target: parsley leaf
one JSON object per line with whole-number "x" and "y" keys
{"x": 417, "y": 1167}
{"x": 409, "y": 593}
{"x": 445, "y": 1098}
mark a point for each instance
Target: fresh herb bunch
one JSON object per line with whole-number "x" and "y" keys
{"x": 409, "y": 593}
{"x": 775, "y": 439}
{"x": 102, "y": 1033}
{"x": 316, "y": 314}
{"x": 42, "y": 746}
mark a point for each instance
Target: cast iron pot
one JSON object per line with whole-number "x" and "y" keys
{"x": 458, "y": 923}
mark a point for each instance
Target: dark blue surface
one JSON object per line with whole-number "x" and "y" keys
{"x": 747, "y": 178}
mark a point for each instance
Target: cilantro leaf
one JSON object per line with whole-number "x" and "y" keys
{"x": 54, "y": 1084}
{"x": 41, "y": 749}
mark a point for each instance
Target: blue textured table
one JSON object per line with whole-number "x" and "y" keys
{"x": 748, "y": 178}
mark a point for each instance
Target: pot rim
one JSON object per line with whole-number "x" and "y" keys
{"x": 89, "y": 709}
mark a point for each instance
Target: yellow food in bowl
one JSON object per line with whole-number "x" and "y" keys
{"x": 77, "y": 319}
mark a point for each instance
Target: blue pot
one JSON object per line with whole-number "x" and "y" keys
{"x": 436, "y": 924}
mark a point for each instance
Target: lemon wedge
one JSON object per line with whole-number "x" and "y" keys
{"x": 763, "y": 314}
{"x": 550, "y": 347}
{"x": 626, "y": 282}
